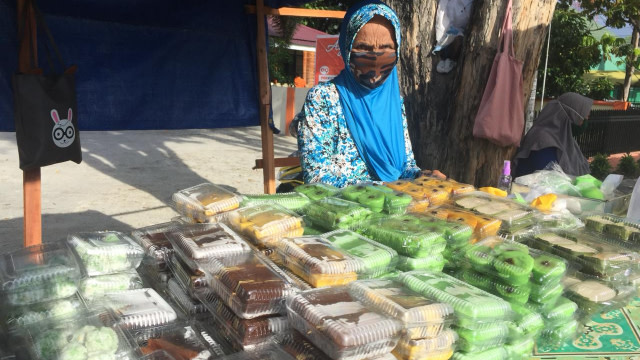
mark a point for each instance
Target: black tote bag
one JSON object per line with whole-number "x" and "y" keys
{"x": 45, "y": 108}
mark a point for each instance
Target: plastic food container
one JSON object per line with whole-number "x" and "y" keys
{"x": 155, "y": 242}
{"x": 244, "y": 334}
{"x": 248, "y": 285}
{"x": 451, "y": 186}
{"x": 317, "y": 261}
{"x": 376, "y": 258}
{"x": 192, "y": 280}
{"x": 316, "y": 191}
{"x": 498, "y": 353}
{"x": 614, "y": 226}
{"x": 527, "y": 323}
{"x": 291, "y": 201}
{"x": 406, "y": 234}
{"x": 433, "y": 263}
{"x": 378, "y": 198}
{"x": 333, "y": 213}
{"x": 439, "y": 347}
{"x": 205, "y": 200}
{"x": 421, "y": 317}
{"x": 38, "y": 273}
{"x": 558, "y": 313}
{"x": 521, "y": 349}
{"x": 190, "y": 307}
{"x": 299, "y": 347}
{"x": 92, "y": 287}
{"x": 483, "y": 225}
{"x": 595, "y": 296}
{"x": 84, "y": 337}
{"x": 477, "y": 340}
{"x": 140, "y": 308}
{"x": 105, "y": 252}
{"x": 457, "y": 234}
{"x": 513, "y": 215}
{"x": 558, "y": 335}
{"x": 511, "y": 293}
{"x": 340, "y": 325}
{"x": 197, "y": 243}
{"x": 264, "y": 224}
{"x": 35, "y": 315}
{"x": 473, "y": 307}
{"x": 179, "y": 341}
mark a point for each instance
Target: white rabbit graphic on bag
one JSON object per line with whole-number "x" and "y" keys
{"x": 63, "y": 131}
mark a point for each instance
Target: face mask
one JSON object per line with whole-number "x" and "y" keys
{"x": 371, "y": 68}
{"x": 576, "y": 130}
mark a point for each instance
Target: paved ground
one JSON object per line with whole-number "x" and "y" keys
{"x": 127, "y": 178}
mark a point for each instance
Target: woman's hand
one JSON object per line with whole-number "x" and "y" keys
{"x": 434, "y": 173}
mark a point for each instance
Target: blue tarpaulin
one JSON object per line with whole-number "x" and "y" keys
{"x": 148, "y": 64}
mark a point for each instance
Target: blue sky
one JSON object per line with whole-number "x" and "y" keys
{"x": 601, "y": 20}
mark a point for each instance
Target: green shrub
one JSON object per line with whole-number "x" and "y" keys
{"x": 628, "y": 166}
{"x": 600, "y": 166}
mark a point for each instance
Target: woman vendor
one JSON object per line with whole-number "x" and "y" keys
{"x": 550, "y": 139}
{"x": 354, "y": 128}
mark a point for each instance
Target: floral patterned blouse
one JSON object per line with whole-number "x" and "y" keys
{"x": 328, "y": 153}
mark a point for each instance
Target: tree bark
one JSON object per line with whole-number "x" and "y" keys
{"x": 630, "y": 69}
{"x": 441, "y": 107}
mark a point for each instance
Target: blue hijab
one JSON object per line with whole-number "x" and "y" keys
{"x": 373, "y": 116}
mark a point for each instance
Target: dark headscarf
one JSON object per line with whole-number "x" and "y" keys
{"x": 552, "y": 128}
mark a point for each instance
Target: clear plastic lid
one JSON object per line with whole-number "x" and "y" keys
{"x": 140, "y": 308}
{"x": 595, "y": 296}
{"x": 558, "y": 335}
{"x": 204, "y": 200}
{"x": 508, "y": 261}
{"x": 340, "y": 325}
{"x": 376, "y": 258}
{"x": 92, "y": 287}
{"x": 473, "y": 307}
{"x": 200, "y": 242}
{"x": 512, "y": 293}
{"x": 483, "y": 225}
{"x": 38, "y": 273}
{"x": 291, "y": 200}
{"x": 521, "y": 349}
{"x": 299, "y": 347}
{"x": 333, "y": 213}
{"x": 406, "y": 234}
{"x": 192, "y": 280}
{"x": 421, "y": 316}
{"x": 426, "y": 348}
{"x": 377, "y": 198}
{"x": 154, "y": 239}
{"x": 244, "y": 334}
{"x": 615, "y": 226}
{"x": 317, "y": 261}
{"x": 498, "y": 353}
{"x": 457, "y": 234}
{"x": 180, "y": 341}
{"x": 451, "y": 186}
{"x": 526, "y": 322}
{"x": 545, "y": 294}
{"x": 33, "y": 316}
{"x": 317, "y": 191}
{"x": 90, "y": 336}
{"x": 189, "y": 306}
{"x": 248, "y": 285}
{"x": 106, "y": 252}
{"x": 507, "y": 210}
{"x": 477, "y": 340}
{"x": 433, "y": 263}
{"x": 264, "y": 224}
{"x": 563, "y": 311}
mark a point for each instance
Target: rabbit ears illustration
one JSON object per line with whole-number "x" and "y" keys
{"x": 56, "y": 118}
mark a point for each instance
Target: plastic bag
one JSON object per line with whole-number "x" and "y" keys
{"x": 452, "y": 17}
{"x": 551, "y": 179}
{"x": 634, "y": 205}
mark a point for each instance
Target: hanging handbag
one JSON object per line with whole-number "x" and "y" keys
{"x": 500, "y": 117}
{"x": 45, "y": 108}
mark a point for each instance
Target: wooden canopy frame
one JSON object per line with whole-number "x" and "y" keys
{"x": 268, "y": 163}
{"x": 31, "y": 179}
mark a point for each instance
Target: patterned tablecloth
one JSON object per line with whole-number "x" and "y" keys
{"x": 610, "y": 336}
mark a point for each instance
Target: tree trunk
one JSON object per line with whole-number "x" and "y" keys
{"x": 630, "y": 69}
{"x": 441, "y": 107}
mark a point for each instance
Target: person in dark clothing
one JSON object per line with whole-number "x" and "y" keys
{"x": 550, "y": 138}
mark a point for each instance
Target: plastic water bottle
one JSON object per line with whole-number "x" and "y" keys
{"x": 505, "y": 180}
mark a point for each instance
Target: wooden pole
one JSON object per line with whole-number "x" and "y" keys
{"x": 31, "y": 180}
{"x": 269, "y": 170}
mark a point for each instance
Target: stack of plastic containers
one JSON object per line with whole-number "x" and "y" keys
{"x": 264, "y": 224}
{"x": 245, "y": 295}
{"x": 321, "y": 262}
{"x": 615, "y": 227}
{"x": 292, "y": 201}
{"x": 202, "y": 202}
{"x": 482, "y": 319}
{"x": 528, "y": 279}
{"x": 138, "y": 309}
{"x": 419, "y": 195}
{"x": 514, "y": 216}
{"x": 418, "y": 244}
{"x": 377, "y": 198}
{"x": 194, "y": 246}
{"x": 181, "y": 340}
{"x": 332, "y": 213}
{"x": 38, "y": 285}
{"x": 317, "y": 191}
{"x": 155, "y": 242}
{"x": 425, "y": 330}
{"x": 340, "y": 325}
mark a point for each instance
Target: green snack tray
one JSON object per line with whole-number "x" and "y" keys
{"x": 433, "y": 263}
{"x": 291, "y": 200}
{"x": 334, "y": 213}
{"x": 556, "y": 336}
{"x": 614, "y": 226}
{"x": 405, "y": 235}
{"x": 316, "y": 191}
{"x": 456, "y": 234}
{"x": 473, "y": 307}
{"x": 526, "y": 323}
{"x": 421, "y": 317}
{"x": 521, "y": 349}
{"x": 490, "y": 336}
{"x": 488, "y": 283}
{"x": 505, "y": 260}
{"x": 376, "y": 258}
